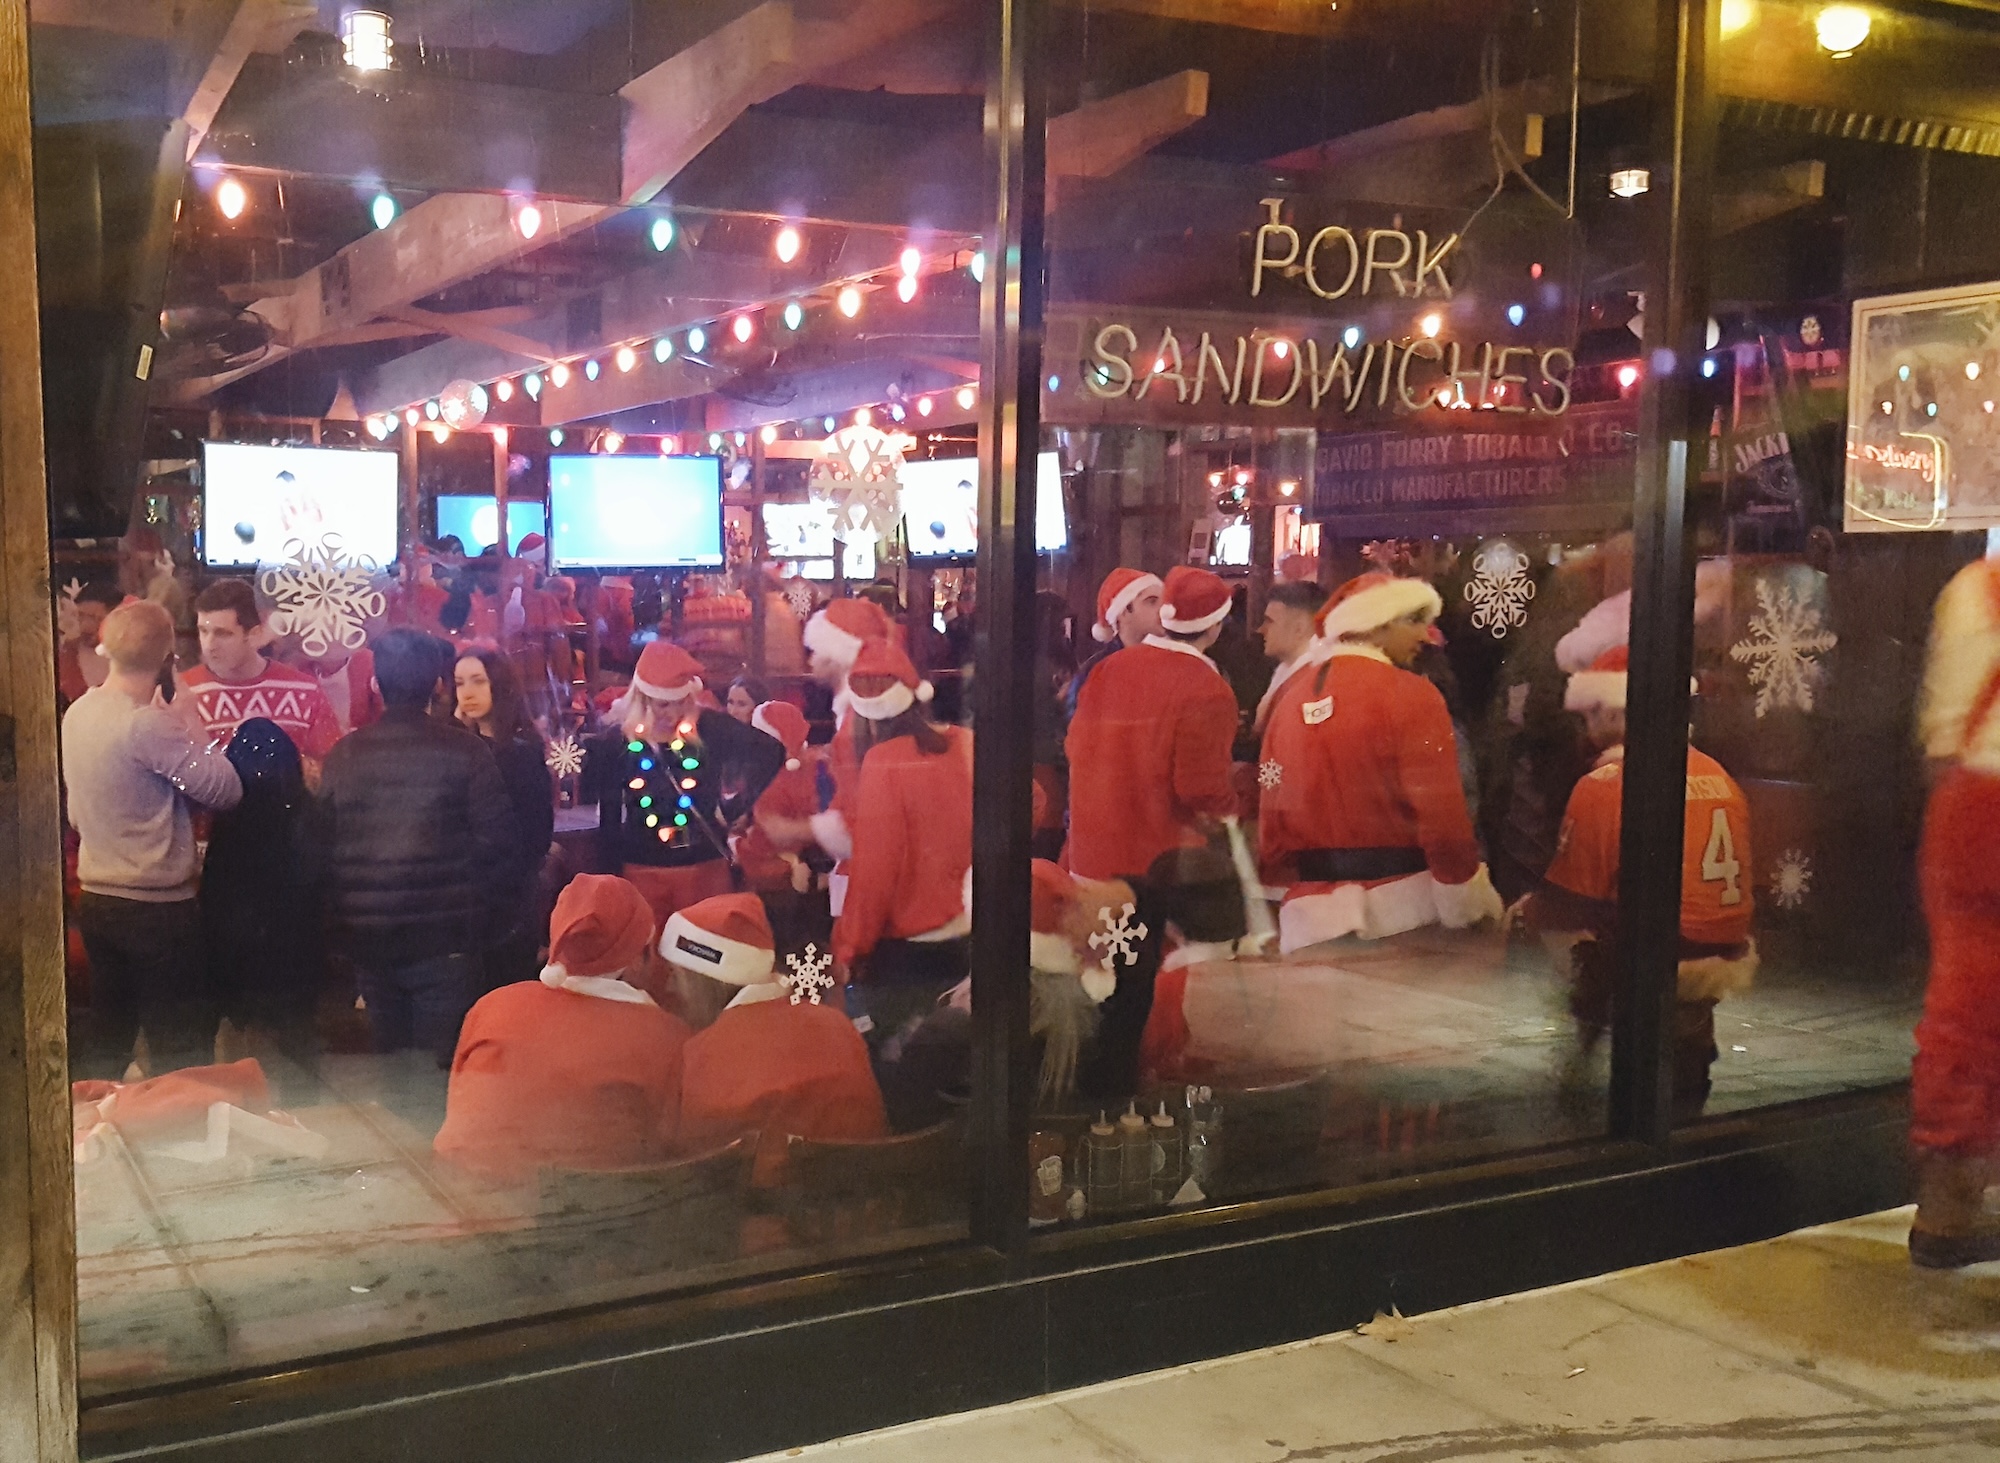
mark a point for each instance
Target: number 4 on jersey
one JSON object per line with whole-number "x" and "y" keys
{"x": 1718, "y": 859}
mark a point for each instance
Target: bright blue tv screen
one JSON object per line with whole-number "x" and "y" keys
{"x": 608, "y": 512}
{"x": 475, "y": 522}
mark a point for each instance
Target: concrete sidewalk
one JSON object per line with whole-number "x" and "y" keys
{"x": 1822, "y": 1344}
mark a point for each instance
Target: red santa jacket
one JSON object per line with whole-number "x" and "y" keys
{"x": 557, "y": 1078}
{"x": 769, "y": 1067}
{"x": 1148, "y": 752}
{"x": 793, "y": 794}
{"x": 1360, "y": 755}
{"x": 912, "y": 844}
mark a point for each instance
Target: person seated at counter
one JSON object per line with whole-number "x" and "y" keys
{"x": 579, "y": 1069}
{"x": 770, "y": 1058}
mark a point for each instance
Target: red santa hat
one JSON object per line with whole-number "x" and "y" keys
{"x": 1115, "y": 595}
{"x": 787, "y": 723}
{"x": 1602, "y": 687}
{"x": 1192, "y": 600}
{"x": 1370, "y": 601}
{"x": 530, "y": 544}
{"x": 840, "y": 630}
{"x": 1052, "y": 891}
{"x": 601, "y": 926}
{"x": 886, "y": 672}
{"x": 726, "y": 937}
{"x": 666, "y": 672}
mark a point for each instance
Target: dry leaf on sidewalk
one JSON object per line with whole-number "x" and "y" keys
{"x": 1391, "y": 1327}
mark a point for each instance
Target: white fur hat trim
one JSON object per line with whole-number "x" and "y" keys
{"x": 688, "y": 945}
{"x": 1170, "y": 621}
{"x": 1382, "y": 604}
{"x": 681, "y": 692}
{"x": 890, "y": 703}
{"x": 822, "y": 635}
{"x": 1106, "y": 629}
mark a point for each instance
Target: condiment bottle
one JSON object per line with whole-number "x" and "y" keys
{"x": 1045, "y": 1177}
{"x": 1169, "y": 1163}
{"x": 1204, "y": 1138}
{"x": 1103, "y": 1167}
{"x": 1135, "y": 1146}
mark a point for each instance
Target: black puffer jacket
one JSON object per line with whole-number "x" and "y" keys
{"x": 411, "y": 830}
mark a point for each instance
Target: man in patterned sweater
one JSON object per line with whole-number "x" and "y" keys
{"x": 235, "y": 681}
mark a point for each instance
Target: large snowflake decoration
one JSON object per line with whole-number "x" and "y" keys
{"x": 799, "y": 595}
{"x": 323, "y": 596}
{"x": 858, "y": 476}
{"x": 565, "y": 756}
{"x": 1785, "y": 637}
{"x": 1120, "y": 937}
{"x": 809, "y": 975}
{"x": 1270, "y": 774}
{"x": 1499, "y": 589}
{"x": 1791, "y": 879}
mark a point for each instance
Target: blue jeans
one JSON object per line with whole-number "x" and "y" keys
{"x": 418, "y": 1005}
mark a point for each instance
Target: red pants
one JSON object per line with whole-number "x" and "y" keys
{"x": 671, "y": 890}
{"x": 1955, "y": 1080}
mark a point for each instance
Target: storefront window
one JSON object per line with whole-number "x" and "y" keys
{"x": 512, "y": 501}
{"x": 1342, "y": 378}
{"x": 1846, "y": 400}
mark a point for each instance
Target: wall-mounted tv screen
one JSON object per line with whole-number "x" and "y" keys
{"x": 798, "y": 531}
{"x": 475, "y": 521}
{"x": 263, "y": 505}
{"x": 941, "y": 507}
{"x": 609, "y": 512}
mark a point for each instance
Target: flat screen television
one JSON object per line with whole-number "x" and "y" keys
{"x": 638, "y": 512}
{"x": 941, "y": 508}
{"x": 798, "y": 531}
{"x": 475, "y": 521}
{"x": 263, "y": 505}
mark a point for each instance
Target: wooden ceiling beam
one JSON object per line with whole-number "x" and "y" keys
{"x": 1102, "y": 137}
{"x": 254, "y": 25}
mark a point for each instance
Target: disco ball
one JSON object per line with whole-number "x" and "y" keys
{"x": 462, "y": 405}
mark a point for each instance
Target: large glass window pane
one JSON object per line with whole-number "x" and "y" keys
{"x": 510, "y": 474}
{"x": 1846, "y": 401}
{"x": 1342, "y": 379}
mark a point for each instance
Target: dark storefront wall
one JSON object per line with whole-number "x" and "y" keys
{"x": 816, "y": 1348}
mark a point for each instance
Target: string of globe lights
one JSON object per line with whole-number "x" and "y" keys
{"x": 843, "y": 301}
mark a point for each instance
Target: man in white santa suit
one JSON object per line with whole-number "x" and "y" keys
{"x": 1363, "y": 817}
{"x": 834, "y": 637}
{"x": 1149, "y": 746}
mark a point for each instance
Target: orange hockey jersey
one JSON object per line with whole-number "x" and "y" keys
{"x": 547, "y": 1077}
{"x": 1360, "y": 766}
{"x": 1148, "y": 753}
{"x": 769, "y": 1067}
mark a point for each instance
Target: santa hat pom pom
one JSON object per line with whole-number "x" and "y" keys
{"x": 1098, "y": 984}
{"x": 1102, "y": 633}
{"x": 925, "y": 690}
{"x": 554, "y": 973}
{"x": 791, "y": 764}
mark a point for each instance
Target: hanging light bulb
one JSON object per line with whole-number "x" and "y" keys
{"x": 1351, "y": 337}
{"x": 555, "y": 436}
{"x": 661, "y": 234}
{"x": 896, "y": 412}
{"x": 532, "y": 384}
{"x": 978, "y": 267}
{"x": 715, "y": 441}
{"x": 912, "y": 260}
{"x": 786, "y": 245}
{"x": 965, "y": 397}
{"x": 863, "y": 416}
{"x": 849, "y": 301}
{"x": 669, "y": 445}
{"x": 742, "y": 327}
{"x": 626, "y": 358}
{"x": 769, "y": 435}
{"x": 231, "y": 198}
{"x": 503, "y": 389}
{"x": 364, "y": 40}
{"x": 559, "y": 375}
{"x": 828, "y": 424}
{"x": 795, "y": 315}
{"x": 1430, "y": 325}
{"x": 440, "y": 431}
{"x": 410, "y": 416}
{"x": 906, "y": 288}
{"x": 377, "y": 429}
{"x": 591, "y": 369}
{"x": 1840, "y": 29}
{"x": 383, "y": 210}
{"x": 663, "y": 350}
{"x": 697, "y": 341}
{"x": 431, "y": 409}
{"x": 528, "y": 220}
{"x": 611, "y": 441}
{"x": 923, "y": 406}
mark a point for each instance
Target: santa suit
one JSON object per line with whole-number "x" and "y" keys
{"x": 792, "y": 794}
{"x": 912, "y": 847}
{"x": 769, "y": 1067}
{"x": 1955, "y": 1080}
{"x": 1148, "y": 754}
{"x": 1363, "y": 816}
{"x": 587, "y": 1076}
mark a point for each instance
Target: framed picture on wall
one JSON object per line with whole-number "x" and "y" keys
{"x": 1923, "y": 412}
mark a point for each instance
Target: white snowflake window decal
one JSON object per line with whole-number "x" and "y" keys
{"x": 1791, "y": 879}
{"x": 1120, "y": 937}
{"x": 1499, "y": 589}
{"x": 799, "y": 595}
{"x": 808, "y": 975}
{"x": 858, "y": 476}
{"x": 323, "y": 596}
{"x": 565, "y": 756}
{"x": 1786, "y": 637}
{"x": 1270, "y": 774}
